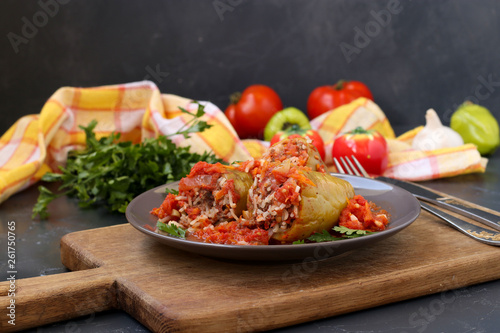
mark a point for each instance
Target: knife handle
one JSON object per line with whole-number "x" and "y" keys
{"x": 475, "y": 214}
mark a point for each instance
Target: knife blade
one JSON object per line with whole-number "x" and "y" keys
{"x": 424, "y": 194}
{"x": 466, "y": 228}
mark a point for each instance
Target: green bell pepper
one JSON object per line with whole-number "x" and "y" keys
{"x": 476, "y": 125}
{"x": 285, "y": 119}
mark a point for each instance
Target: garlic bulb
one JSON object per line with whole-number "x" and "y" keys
{"x": 434, "y": 135}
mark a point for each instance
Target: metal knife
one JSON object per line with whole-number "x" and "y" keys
{"x": 423, "y": 194}
{"x": 466, "y": 228}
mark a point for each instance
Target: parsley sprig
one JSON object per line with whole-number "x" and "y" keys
{"x": 171, "y": 229}
{"x": 345, "y": 233}
{"x": 112, "y": 173}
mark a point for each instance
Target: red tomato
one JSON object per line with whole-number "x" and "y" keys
{"x": 326, "y": 98}
{"x": 231, "y": 116}
{"x": 368, "y": 146}
{"x": 253, "y": 109}
{"x": 317, "y": 141}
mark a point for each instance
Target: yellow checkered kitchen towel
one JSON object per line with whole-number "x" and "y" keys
{"x": 37, "y": 144}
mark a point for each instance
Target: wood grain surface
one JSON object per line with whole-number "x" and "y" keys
{"x": 171, "y": 290}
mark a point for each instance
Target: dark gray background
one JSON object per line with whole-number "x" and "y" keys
{"x": 431, "y": 54}
{"x": 425, "y": 54}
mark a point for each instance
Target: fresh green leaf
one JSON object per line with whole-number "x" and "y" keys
{"x": 171, "y": 190}
{"x": 194, "y": 125}
{"x": 45, "y": 197}
{"x": 171, "y": 229}
{"x": 184, "y": 110}
{"x": 351, "y": 233}
{"x": 345, "y": 233}
{"x": 323, "y": 236}
{"x": 51, "y": 177}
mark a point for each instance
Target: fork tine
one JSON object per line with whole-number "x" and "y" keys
{"x": 353, "y": 168}
{"x": 346, "y": 166}
{"x": 360, "y": 167}
{"x": 338, "y": 166}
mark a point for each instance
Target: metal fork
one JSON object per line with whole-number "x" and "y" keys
{"x": 352, "y": 167}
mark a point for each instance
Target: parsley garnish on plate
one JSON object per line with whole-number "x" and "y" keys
{"x": 351, "y": 233}
{"x": 172, "y": 191}
{"x": 171, "y": 229}
{"x": 345, "y": 233}
{"x": 112, "y": 173}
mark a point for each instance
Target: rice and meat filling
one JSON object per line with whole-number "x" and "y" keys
{"x": 211, "y": 204}
{"x": 275, "y": 196}
{"x": 292, "y": 202}
{"x": 280, "y": 176}
{"x": 211, "y": 193}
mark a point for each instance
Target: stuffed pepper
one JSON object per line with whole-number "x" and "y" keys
{"x": 292, "y": 202}
{"x": 209, "y": 194}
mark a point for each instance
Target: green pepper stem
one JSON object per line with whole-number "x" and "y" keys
{"x": 293, "y": 128}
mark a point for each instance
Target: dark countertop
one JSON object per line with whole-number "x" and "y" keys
{"x": 471, "y": 309}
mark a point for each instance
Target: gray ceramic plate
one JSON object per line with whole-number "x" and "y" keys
{"x": 402, "y": 205}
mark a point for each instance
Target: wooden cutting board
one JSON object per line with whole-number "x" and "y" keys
{"x": 171, "y": 290}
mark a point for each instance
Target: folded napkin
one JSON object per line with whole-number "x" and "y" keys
{"x": 37, "y": 144}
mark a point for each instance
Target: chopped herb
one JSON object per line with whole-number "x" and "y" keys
{"x": 323, "y": 236}
{"x": 351, "y": 233}
{"x": 172, "y": 191}
{"x": 194, "y": 125}
{"x": 112, "y": 173}
{"x": 345, "y": 233}
{"x": 44, "y": 198}
{"x": 171, "y": 229}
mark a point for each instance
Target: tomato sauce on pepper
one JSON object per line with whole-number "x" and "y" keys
{"x": 289, "y": 149}
{"x": 203, "y": 175}
{"x": 232, "y": 234}
{"x": 363, "y": 215}
{"x": 287, "y": 194}
{"x": 167, "y": 207}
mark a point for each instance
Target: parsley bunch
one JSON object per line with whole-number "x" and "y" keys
{"x": 112, "y": 173}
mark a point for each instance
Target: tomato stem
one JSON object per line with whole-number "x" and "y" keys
{"x": 360, "y": 130}
{"x": 234, "y": 98}
{"x": 340, "y": 84}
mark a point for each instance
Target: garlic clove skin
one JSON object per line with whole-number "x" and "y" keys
{"x": 436, "y": 136}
